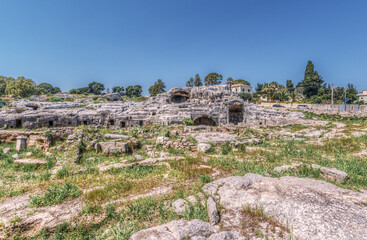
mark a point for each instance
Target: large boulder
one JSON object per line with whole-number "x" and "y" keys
{"x": 311, "y": 209}
{"x": 112, "y": 147}
{"x": 204, "y": 147}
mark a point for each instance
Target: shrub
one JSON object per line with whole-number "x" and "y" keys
{"x": 246, "y": 96}
{"x": 55, "y": 99}
{"x": 188, "y": 122}
{"x": 226, "y": 148}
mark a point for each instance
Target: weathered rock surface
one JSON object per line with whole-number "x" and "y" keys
{"x": 312, "y": 209}
{"x": 212, "y": 211}
{"x": 182, "y": 230}
{"x": 214, "y": 137}
{"x": 116, "y": 136}
{"x": 112, "y": 147}
{"x": 329, "y": 173}
{"x": 31, "y": 161}
{"x": 6, "y": 150}
{"x": 180, "y": 206}
{"x": 204, "y": 147}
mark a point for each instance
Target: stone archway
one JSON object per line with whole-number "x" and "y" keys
{"x": 236, "y": 114}
{"x": 204, "y": 120}
{"x": 180, "y": 97}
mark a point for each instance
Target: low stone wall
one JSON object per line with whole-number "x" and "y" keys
{"x": 348, "y": 110}
{"x": 177, "y": 143}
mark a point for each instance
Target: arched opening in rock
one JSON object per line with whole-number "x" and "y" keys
{"x": 180, "y": 97}
{"x": 123, "y": 124}
{"x": 204, "y": 120}
{"x": 85, "y": 122}
{"x": 236, "y": 114}
{"x": 112, "y": 122}
{"x": 50, "y": 123}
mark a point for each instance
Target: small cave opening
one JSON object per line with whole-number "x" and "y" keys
{"x": 236, "y": 114}
{"x": 180, "y": 97}
{"x": 18, "y": 123}
{"x": 204, "y": 120}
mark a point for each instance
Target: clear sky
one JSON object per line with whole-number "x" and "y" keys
{"x": 70, "y": 43}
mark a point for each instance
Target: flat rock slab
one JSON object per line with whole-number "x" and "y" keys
{"x": 214, "y": 137}
{"x": 181, "y": 230}
{"x": 312, "y": 209}
{"x": 116, "y": 136}
{"x": 31, "y": 161}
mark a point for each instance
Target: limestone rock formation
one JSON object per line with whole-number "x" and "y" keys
{"x": 312, "y": 209}
{"x": 206, "y": 105}
{"x": 181, "y": 230}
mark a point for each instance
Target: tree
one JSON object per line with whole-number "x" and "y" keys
{"x": 229, "y": 81}
{"x": 83, "y": 90}
{"x": 47, "y": 88}
{"x": 283, "y": 95}
{"x": 290, "y": 86}
{"x": 96, "y": 88}
{"x": 351, "y": 93}
{"x": 339, "y": 93}
{"x": 133, "y": 91}
{"x": 241, "y": 81}
{"x": 213, "y": 79}
{"x": 120, "y": 90}
{"x": 312, "y": 81}
{"x": 157, "y": 88}
{"x": 190, "y": 83}
{"x": 259, "y": 88}
{"x": 197, "y": 81}
{"x": 21, "y": 87}
{"x": 246, "y": 96}
{"x": 2, "y": 86}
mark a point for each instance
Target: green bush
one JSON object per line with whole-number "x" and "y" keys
{"x": 55, "y": 99}
{"x": 188, "y": 122}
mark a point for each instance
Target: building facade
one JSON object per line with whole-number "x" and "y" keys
{"x": 237, "y": 88}
{"x": 362, "y": 97}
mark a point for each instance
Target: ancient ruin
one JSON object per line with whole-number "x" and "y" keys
{"x": 207, "y": 105}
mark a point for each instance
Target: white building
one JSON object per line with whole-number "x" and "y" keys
{"x": 237, "y": 88}
{"x": 362, "y": 97}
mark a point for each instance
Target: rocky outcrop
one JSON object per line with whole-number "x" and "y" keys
{"x": 206, "y": 105}
{"x": 311, "y": 209}
{"x": 112, "y": 147}
{"x": 181, "y": 230}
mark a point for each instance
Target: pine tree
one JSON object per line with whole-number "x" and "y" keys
{"x": 157, "y": 88}
{"x": 213, "y": 79}
{"x": 312, "y": 81}
{"x": 197, "y": 81}
{"x": 190, "y": 83}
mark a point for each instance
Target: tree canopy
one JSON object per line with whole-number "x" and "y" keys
{"x": 96, "y": 88}
{"x": 241, "y": 81}
{"x": 133, "y": 91}
{"x": 47, "y": 88}
{"x": 312, "y": 81}
{"x": 213, "y": 79}
{"x": 157, "y": 88}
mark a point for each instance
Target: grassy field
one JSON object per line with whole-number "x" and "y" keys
{"x": 114, "y": 204}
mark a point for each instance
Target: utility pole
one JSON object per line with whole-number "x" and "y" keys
{"x": 345, "y": 99}
{"x": 332, "y": 95}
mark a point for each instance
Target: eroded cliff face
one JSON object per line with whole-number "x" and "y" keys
{"x": 206, "y": 105}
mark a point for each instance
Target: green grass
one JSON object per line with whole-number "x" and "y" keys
{"x": 56, "y": 195}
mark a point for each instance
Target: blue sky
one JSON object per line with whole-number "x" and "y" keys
{"x": 71, "y": 43}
